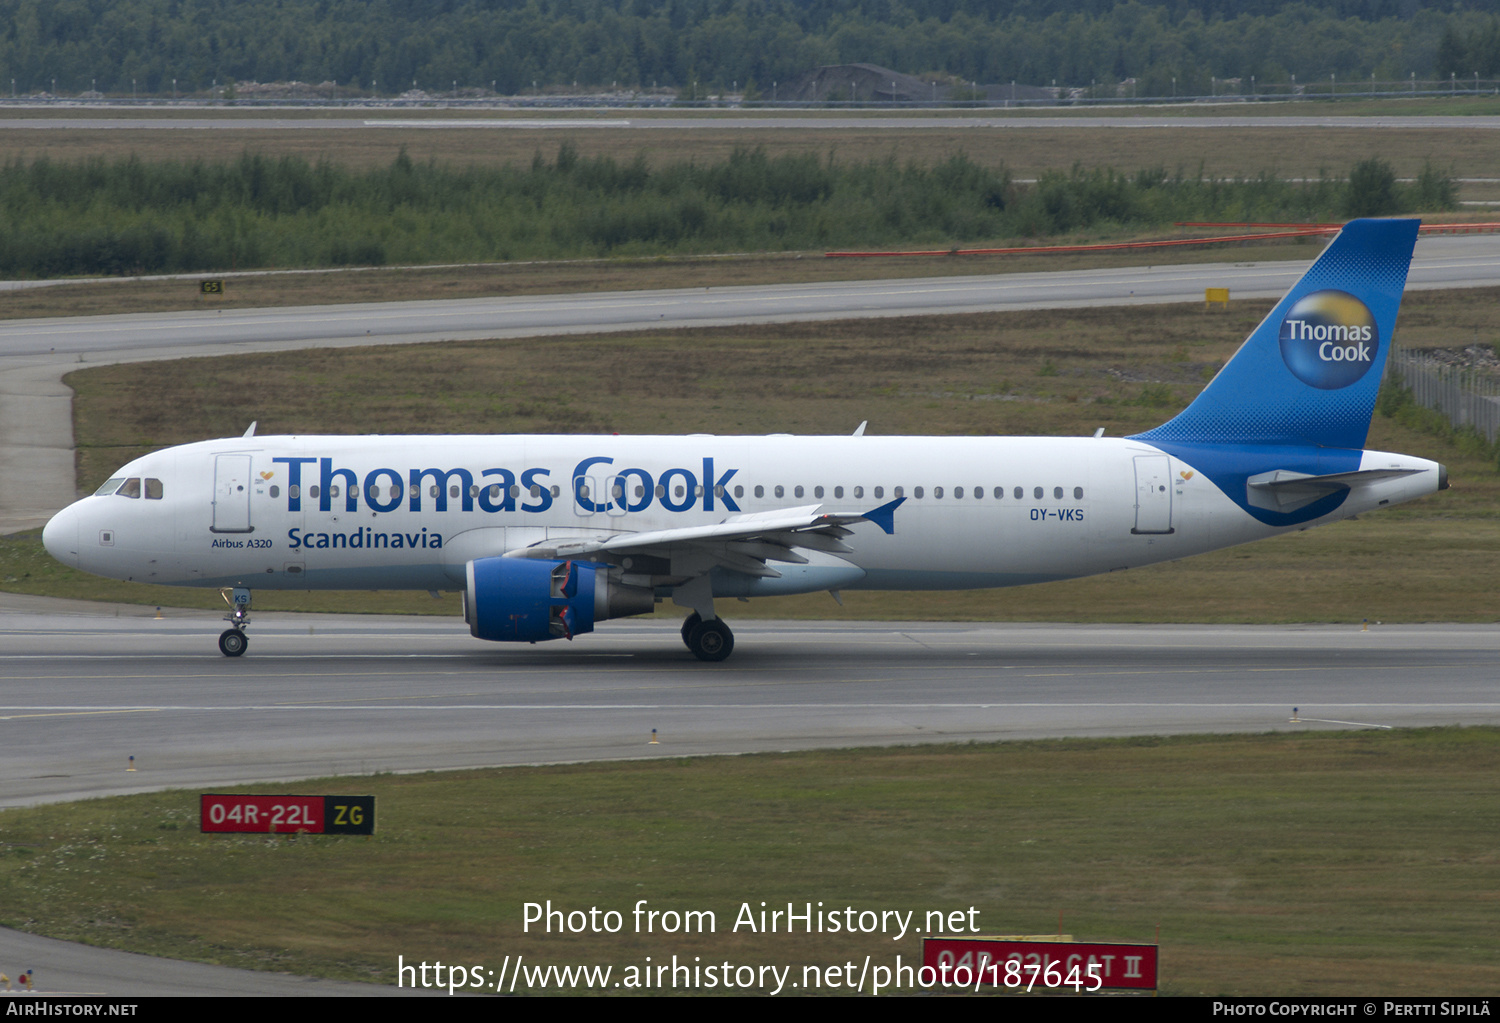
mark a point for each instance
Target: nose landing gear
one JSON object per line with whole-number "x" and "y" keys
{"x": 233, "y": 641}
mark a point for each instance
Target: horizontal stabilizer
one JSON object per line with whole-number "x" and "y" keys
{"x": 1284, "y": 490}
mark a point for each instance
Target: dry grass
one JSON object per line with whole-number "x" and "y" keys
{"x": 1026, "y": 150}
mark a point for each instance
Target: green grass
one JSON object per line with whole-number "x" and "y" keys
{"x": 1317, "y": 863}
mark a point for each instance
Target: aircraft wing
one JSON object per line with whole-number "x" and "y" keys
{"x": 741, "y": 543}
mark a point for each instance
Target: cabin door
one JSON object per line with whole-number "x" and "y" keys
{"x": 232, "y": 494}
{"x": 1153, "y": 494}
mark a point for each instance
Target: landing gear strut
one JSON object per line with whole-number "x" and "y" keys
{"x": 232, "y": 641}
{"x": 708, "y": 640}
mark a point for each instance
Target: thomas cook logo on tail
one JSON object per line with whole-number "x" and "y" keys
{"x": 1329, "y": 339}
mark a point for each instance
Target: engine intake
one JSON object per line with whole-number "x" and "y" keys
{"x": 527, "y": 600}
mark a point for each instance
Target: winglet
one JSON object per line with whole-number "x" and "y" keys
{"x": 885, "y": 515}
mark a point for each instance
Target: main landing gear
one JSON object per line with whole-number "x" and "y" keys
{"x": 710, "y": 640}
{"x": 233, "y": 641}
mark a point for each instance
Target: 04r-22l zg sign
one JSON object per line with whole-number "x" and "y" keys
{"x": 287, "y": 815}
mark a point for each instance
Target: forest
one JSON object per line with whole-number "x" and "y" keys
{"x": 386, "y": 47}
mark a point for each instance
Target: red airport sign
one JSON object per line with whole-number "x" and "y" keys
{"x": 1028, "y": 965}
{"x": 287, "y": 815}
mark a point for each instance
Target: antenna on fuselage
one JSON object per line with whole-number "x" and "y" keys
{"x": 859, "y": 431}
{"x": 250, "y": 432}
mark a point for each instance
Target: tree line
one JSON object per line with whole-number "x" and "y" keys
{"x": 389, "y": 46}
{"x": 131, "y": 216}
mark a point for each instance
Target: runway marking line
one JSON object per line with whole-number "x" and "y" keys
{"x": 80, "y": 713}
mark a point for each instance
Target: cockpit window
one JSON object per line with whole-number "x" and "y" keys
{"x": 109, "y": 487}
{"x": 132, "y": 488}
{"x": 153, "y": 490}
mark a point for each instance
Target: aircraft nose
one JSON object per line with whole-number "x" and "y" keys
{"x": 60, "y": 536}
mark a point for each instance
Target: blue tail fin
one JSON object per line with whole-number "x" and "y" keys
{"x": 1308, "y": 375}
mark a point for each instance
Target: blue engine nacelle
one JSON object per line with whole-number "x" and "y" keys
{"x": 529, "y": 600}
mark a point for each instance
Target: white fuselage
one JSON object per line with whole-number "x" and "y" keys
{"x": 274, "y": 512}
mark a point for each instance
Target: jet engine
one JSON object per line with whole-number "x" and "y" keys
{"x": 529, "y": 600}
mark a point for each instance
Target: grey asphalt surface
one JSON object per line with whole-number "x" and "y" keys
{"x": 521, "y": 120}
{"x": 88, "y": 686}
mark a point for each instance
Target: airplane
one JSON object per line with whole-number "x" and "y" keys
{"x": 547, "y": 536}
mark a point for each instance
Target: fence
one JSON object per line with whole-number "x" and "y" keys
{"x": 1466, "y": 397}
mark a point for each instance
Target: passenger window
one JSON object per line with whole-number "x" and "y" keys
{"x": 452, "y": 491}
{"x": 431, "y": 491}
{"x": 293, "y": 491}
{"x": 760, "y": 491}
{"x": 1057, "y": 493}
{"x": 916, "y": 492}
{"x": 680, "y": 491}
{"x": 515, "y": 490}
{"x": 153, "y": 490}
{"x": 1020, "y": 493}
{"x": 312, "y": 491}
{"x": 396, "y": 492}
{"x": 798, "y": 491}
{"x": 897, "y": 492}
{"x": 556, "y": 490}
{"x": 738, "y": 491}
{"x": 780, "y": 490}
{"x": 495, "y": 491}
{"x": 536, "y": 490}
{"x": 999, "y": 493}
{"x": 937, "y": 493}
{"x": 640, "y": 490}
{"x": 108, "y": 487}
{"x": 617, "y": 491}
{"x": 1078, "y": 493}
{"x": 880, "y": 492}
{"x": 1037, "y": 493}
{"x": 275, "y": 491}
{"x": 838, "y": 491}
{"x": 333, "y": 491}
{"x": 859, "y": 491}
{"x": 416, "y": 492}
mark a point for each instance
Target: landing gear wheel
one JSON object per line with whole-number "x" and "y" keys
{"x": 688, "y": 625}
{"x": 232, "y": 642}
{"x": 711, "y": 640}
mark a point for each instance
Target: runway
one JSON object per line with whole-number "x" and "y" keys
{"x": 325, "y": 694}
{"x": 516, "y": 119}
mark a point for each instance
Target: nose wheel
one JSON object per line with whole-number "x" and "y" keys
{"x": 233, "y": 641}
